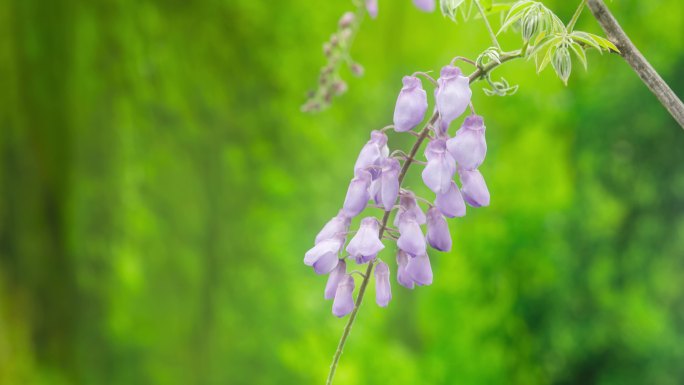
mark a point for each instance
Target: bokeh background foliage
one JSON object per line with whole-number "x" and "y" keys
{"x": 160, "y": 186}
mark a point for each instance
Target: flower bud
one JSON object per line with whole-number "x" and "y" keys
{"x": 357, "y": 194}
{"x": 346, "y": 20}
{"x": 366, "y": 244}
{"x": 402, "y": 276}
{"x": 469, "y": 146}
{"x": 438, "y": 235}
{"x": 334, "y": 279}
{"x": 323, "y": 256}
{"x": 411, "y": 239}
{"x": 440, "y": 168}
{"x": 389, "y": 183}
{"x": 419, "y": 270}
{"x": 451, "y": 203}
{"x": 372, "y": 8}
{"x": 425, "y": 5}
{"x": 411, "y": 105}
{"x": 344, "y": 298}
{"x": 383, "y": 290}
{"x": 474, "y": 188}
{"x": 453, "y": 93}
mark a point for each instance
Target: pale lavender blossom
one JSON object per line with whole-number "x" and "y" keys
{"x": 344, "y": 299}
{"x": 411, "y": 105}
{"x": 438, "y": 235}
{"x": 419, "y": 270}
{"x": 372, "y": 8}
{"x": 469, "y": 146}
{"x": 366, "y": 244}
{"x": 372, "y": 152}
{"x": 402, "y": 276}
{"x": 411, "y": 239}
{"x": 357, "y": 194}
{"x": 407, "y": 203}
{"x": 440, "y": 168}
{"x": 425, "y": 5}
{"x": 383, "y": 290}
{"x": 323, "y": 256}
{"x": 338, "y": 225}
{"x": 451, "y": 203}
{"x": 334, "y": 279}
{"x": 453, "y": 93}
{"x": 474, "y": 188}
{"x": 389, "y": 183}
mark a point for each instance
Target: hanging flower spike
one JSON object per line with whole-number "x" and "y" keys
{"x": 383, "y": 291}
{"x": 346, "y": 20}
{"x": 411, "y": 239}
{"x": 407, "y": 203}
{"x": 372, "y": 153}
{"x": 372, "y": 8}
{"x": 338, "y": 225}
{"x": 323, "y": 256}
{"x": 334, "y": 279}
{"x": 402, "y": 276}
{"x": 438, "y": 235}
{"x": 440, "y": 168}
{"x": 357, "y": 194}
{"x": 344, "y": 299}
{"x": 453, "y": 94}
{"x": 469, "y": 146}
{"x": 451, "y": 203}
{"x": 366, "y": 243}
{"x": 474, "y": 188}
{"x": 411, "y": 105}
{"x": 389, "y": 183}
{"x": 425, "y": 5}
{"x": 419, "y": 270}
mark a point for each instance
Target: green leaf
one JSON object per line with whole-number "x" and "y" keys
{"x": 579, "y": 51}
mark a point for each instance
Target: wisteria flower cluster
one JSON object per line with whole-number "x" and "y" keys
{"x": 377, "y": 178}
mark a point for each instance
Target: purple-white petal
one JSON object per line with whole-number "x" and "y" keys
{"x": 440, "y": 168}
{"x": 451, "y": 204}
{"x": 366, "y": 244}
{"x": 326, "y": 263}
{"x": 402, "y": 276}
{"x": 372, "y": 152}
{"x": 411, "y": 239}
{"x": 372, "y": 8}
{"x": 419, "y": 270}
{"x": 344, "y": 298}
{"x": 411, "y": 105}
{"x": 357, "y": 194}
{"x": 389, "y": 183}
{"x": 408, "y": 204}
{"x": 334, "y": 279}
{"x": 453, "y": 93}
{"x": 338, "y": 225}
{"x": 438, "y": 235}
{"x": 425, "y": 5}
{"x": 383, "y": 291}
{"x": 469, "y": 146}
{"x": 474, "y": 188}
{"x": 329, "y": 246}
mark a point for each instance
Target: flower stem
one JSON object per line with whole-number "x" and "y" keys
{"x": 486, "y": 21}
{"x": 424, "y": 133}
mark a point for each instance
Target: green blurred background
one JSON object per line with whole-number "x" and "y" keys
{"x": 159, "y": 187}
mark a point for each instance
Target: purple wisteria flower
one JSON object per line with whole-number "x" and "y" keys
{"x": 408, "y": 204}
{"x": 374, "y": 151}
{"x": 323, "y": 256}
{"x": 440, "y": 168}
{"x": 438, "y": 235}
{"x": 344, "y": 300}
{"x": 474, "y": 188}
{"x": 411, "y": 239}
{"x": 372, "y": 8}
{"x": 469, "y": 146}
{"x": 366, "y": 243}
{"x": 334, "y": 279}
{"x": 402, "y": 276}
{"x": 357, "y": 194}
{"x": 452, "y": 94}
{"x": 425, "y": 5}
{"x": 383, "y": 291}
{"x": 451, "y": 203}
{"x": 411, "y": 105}
{"x": 338, "y": 225}
{"x": 419, "y": 270}
{"x": 389, "y": 183}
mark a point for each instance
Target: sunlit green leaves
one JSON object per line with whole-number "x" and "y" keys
{"x": 533, "y": 18}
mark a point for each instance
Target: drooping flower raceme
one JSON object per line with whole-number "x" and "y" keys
{"x": 378, "y": 176}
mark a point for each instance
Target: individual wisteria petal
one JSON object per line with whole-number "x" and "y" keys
{"x": 411, "y": 105}
{"x": 372, "y": 8}
{"x": 408, "y": 204}
{"x": 419, "y": 270}
{"x": 438, "y": 235}
{"x": 451, "y": 203}
{"x": 357, "y": 194}
{"x": 453, "y": 93}
{"x": 389, "y": 183}
{"x": 374, "y": 191}
{"x": 411, "y": 239}
{"x": 323, "y": 256}
{"x": 440, "y": 168}
{"x": 336, "y": 226}
{"x": 366, "y": 242}
{"x": 474, "y": 188}
{"x": 425, "y": 5}
{"x": 372, "y": 152}
{"x": 334, "y": 279}
{"x": 383, "y": 291}
{"x": 344, "y": 298}
{"x": 402, "y": 276}
{"x": 469, "y": 146}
